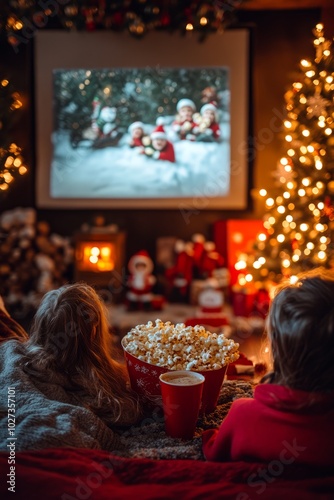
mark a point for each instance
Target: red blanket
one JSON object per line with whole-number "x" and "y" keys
{"x": 69, "y": 474}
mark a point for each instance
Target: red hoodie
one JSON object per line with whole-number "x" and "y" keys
{"x": 279, "y": 424}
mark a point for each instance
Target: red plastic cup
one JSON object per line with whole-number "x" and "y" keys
{"x": 181, "y": 399}
{"x": 213, "y": 382}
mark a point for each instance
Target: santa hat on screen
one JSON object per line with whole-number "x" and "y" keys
{"x": 141, "y": 257}
{"x": 209, "y": 107}
{"x": 135, "y": 125}
{"x": 186, "y": 102}
{"x": 159, "y": 133}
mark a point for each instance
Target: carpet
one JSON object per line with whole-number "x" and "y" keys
{"x": 149, "y": 440}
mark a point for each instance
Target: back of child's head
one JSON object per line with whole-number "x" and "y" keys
{"x": 70, "y": 325}
{"x": 301, "y": 331}
{"x": 70, "y": 336}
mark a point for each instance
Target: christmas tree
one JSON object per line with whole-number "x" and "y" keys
{"x": 299, "y": 223}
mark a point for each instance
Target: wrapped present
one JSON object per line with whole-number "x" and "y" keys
{"x": 243, "y": 300}
{"x": 241, "y": 236}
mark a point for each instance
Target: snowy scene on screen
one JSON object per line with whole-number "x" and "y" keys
{"x": 141, "y": 133}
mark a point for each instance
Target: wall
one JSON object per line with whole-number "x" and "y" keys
{"x": 280, "y": 40}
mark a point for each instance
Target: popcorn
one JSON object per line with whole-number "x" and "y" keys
{"x": 179, "y": 347}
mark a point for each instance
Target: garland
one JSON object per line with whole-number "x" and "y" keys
{"x": 19, "y": 19}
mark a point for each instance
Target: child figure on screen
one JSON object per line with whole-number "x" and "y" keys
{"x": 184, "y": 124}
{"x": 161, "y": 149}
{"x": 291, "y": 417}
{"x": 207, "y": 129}
{"x": 138, "y": 137}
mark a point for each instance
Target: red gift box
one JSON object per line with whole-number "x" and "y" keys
{"x": 243, "y": 301}
{"x": 235, "y": 237}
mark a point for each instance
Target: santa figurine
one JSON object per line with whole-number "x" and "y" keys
{"x": 161, "y": 149}
{"x": 140, "y": 281}
{"x": 184, "y": 124}
{"x": 207, "y": 128}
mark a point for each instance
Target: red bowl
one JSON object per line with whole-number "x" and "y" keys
{"x": 144, "y": 379}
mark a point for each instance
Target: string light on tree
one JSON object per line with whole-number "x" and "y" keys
{"x": 11, "y": 160}
{"x": 300, "y": 215}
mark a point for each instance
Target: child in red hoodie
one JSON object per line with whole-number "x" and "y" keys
{"x": 291, "y": 417}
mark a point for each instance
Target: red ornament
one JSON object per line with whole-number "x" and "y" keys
{"x": 89, "y": 23}
{"x": 90, "y": 26}
{"x": 165, "y": 20}
{"x": 198, "y": 240}
{"x": 294, "y": 244}
{"x": 118, "y": 19}
{"x": 329, "y": 209}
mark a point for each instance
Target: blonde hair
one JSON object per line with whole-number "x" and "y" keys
{"x": 70, "y": 335}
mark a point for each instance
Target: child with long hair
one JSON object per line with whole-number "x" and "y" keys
{"x": 291, "y": 417}
{"x": 74, "y": 392}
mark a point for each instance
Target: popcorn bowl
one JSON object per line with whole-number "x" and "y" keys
{"x": 144, "y": 379}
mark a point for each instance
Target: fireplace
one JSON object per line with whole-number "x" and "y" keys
{"x": 99, "y": 258}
